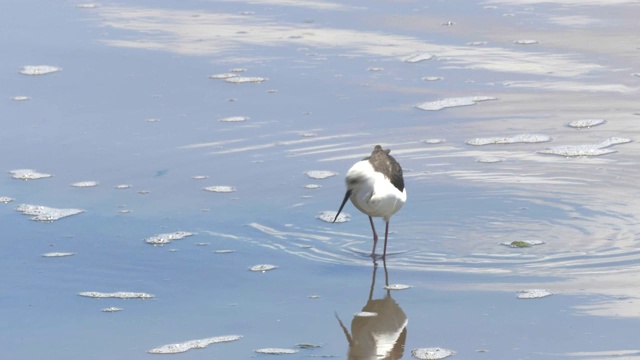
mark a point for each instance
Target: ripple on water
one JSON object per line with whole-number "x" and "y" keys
{"x": 520, "y": 138}
{"x": 453, "y": 102}
{"x": 28, "y": 174}
{"x": 20, "y": 98}
{"x": 433, "y": 353}
{"x": 193, "y": 344}
{"x": 46, "y": 214}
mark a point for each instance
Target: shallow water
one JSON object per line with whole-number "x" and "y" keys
{"x": 133, "y": 103}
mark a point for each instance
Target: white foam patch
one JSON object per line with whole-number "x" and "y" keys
{"x": 453, "y": 102}
{"x": 46, "y": 214}
{"x": 414, "y": 58}
{"x": 526, "y": 42}
{"x": 533, "y": 293}
{"x": 276, "y": 351}
{"x": 329, "y": 216}
{"x": 5, "y": 199}
{"x": 193, "y": 344}
{"x": 58, "y": 254}
{"x": 320, "y": 174}
{"x": 111, "y": 309}
{"x": 434, "y": 353}
{"x": 116, "y": 295}
{"x": 220, "y": 189}
{"x": 586, "y": 123}
{"x": 520, "y": 138}
{"x": 163, "y": 239}
{"x": 234, "y": 119}
{"x": 223, "y": 76}
{"x": 85, "y": 184}
{"x": 586, "y": 150}
{"x": 245, "y": 79}
{"x": 38, "y": 69}
{"x": 263, "y": 267}
{"x": 397, "y": 287}
{"x": 434, "y": 141}
{"x": 28, "y": 174}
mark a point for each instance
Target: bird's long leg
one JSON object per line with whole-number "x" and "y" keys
{"x": 375, "y": 238}
{"x": 386, "y": 235}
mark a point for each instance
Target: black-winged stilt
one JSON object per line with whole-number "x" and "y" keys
{"x": 376, "y": 187}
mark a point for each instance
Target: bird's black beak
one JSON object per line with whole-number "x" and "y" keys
{"x": 344, "y": 201}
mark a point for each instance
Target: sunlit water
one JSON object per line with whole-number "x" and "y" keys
{"x": 131, "y": 125}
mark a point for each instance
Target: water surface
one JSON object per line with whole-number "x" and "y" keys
{"x": 134, "y": 109}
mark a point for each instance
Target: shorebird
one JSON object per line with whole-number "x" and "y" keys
{"x": 376, "y": 187}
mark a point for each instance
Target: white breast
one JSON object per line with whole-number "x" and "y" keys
{"x": 372, "y": 193}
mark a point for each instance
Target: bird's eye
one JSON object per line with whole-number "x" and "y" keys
{"x": 353, "y": 181}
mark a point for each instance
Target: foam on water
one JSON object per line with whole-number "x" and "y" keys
{"x": 263, "y": 267}
{"x": 38, "y": 69}
{"x": 434, "y": 353}
{"x": 453, "y": 102}
{"x": 28, "y": 174}
{"x": 58, "y": 254}
{"x": 220, "y": 189}
{"x": 414, "y": 58}
{"x": 5, "y": 199}
{"x": 111, "y": 309}
{"x": 46, "y": 214}
{"x": 163, "y": 239}
{"x": 520, "y": 138}
{"x": 276, "y": 351}
{"x": 328, "y": 216}
{"x": 116, "y": 295}
{"x": 234, "y": 119}
{"x": 533, "y": 294}
{"x": 85, "y": 184}
{"x": 245, "y": 80}
{"x": 193, "y": 344}
{"x": 320, "y": 174}
{"x": 397, "y": 287}
{"x": 586, "y": 123}
{"x": 598, "y": 149}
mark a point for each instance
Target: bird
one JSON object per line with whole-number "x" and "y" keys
{"x": 376, "y": 187}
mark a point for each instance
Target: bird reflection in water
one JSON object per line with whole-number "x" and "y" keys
{"x": 379, "y": 336}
